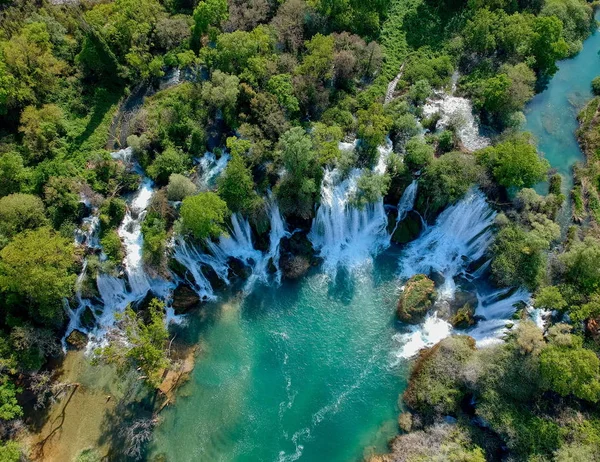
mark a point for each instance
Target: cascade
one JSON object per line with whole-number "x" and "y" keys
{"x": 211, "y": 168}
{"x": 457, "y": 112}
{"x": 341, "y": 233}
{"x": 461, "y": 234}
{"x": 406, "y": 203}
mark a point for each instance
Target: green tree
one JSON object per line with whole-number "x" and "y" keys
{"x": 208, "y": 13}
{"x": 373, "y": 126}
{"x": 9, "y": 407}
{"x": 300, "y": 184}
{"x": 281, "y": 87}
{"x": 180, "y": 187}
{"x": 236, "y": 186}
{"x": 221, "y": 93}
{"x": 13, "y": 175}
{"x": 581, "y": 265}
{"x": 418, "y": 154}
{"x": 326, "y": 139}
{"x": 514, "y": 162}
{"x": 571, "y": 370}
{"x": 204, "y": 215}
{"x": 142, "y": 347}
{"x": 547, "y": 44}
{"x": 318, "y": 61}
{"x": 112, "y": 212}
{"x": 10, "y": 451}
{"x": 38, "y": 265}
{"x": 168, "y": 162}
{"x": 19, "y": 212}
{"x": 42, "y": 130}
{"x": 112, "y": 246}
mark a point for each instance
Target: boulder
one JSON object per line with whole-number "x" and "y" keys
{"x": 184, "y": 299}
{"x": 88, "y": 319}
{"x": 294, "y": 266}
{"x": 416, "y": 299}
{"x": 464, "y": 317}
{"x": 77, "y": 340}
{"x": 238, "y": 269}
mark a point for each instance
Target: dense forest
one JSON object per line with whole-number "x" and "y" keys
{"x": 276, "y": 86}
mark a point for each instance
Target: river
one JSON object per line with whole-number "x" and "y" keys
{"x": 552, "y": 114}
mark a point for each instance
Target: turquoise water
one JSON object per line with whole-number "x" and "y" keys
{"x": 306, "y": 370}
{"x": 552, "y": 114}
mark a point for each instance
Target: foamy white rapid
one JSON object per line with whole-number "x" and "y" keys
{"x": 210, "y": 169}
{"x": 456, "y": 112}
{"x": 461, "y": 234}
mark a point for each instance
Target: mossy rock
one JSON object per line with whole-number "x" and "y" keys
{"x": 77, "y": 340}
{"x": 416, "y": 299}
{"x": 464, "y": 317}
{"x": 408, "y": 229}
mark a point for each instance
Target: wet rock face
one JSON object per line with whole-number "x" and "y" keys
{"x": 88, "y": 320}
{"x": 408, "y": 229}
{"x": 297, "y": 255}
{"x": 294, "y": 266}
{"x": 464, "y": 317}
{"x": 416, "y": 299}
{"x": 184, "y": 299}
{"x": 77, "y": 340}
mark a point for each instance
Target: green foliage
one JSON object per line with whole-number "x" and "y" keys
{"x": 547, "y": 45}
{"x": 13, "y": 175}
{"x": 42, "y": 129}
{"x": 446, "y": 180}
{"x": 318, "y": 62}
{"x": 9, "y": 407}
{"x": 10, "y": 451}
{"x": 203, "y": 215}
{"x": 111, "y": 244}
{"x": 142, "y": 346}
{"x": 326, "y": 139}
{"x": 418, "y": 154}
{"x": 180, "y": 187}
{"x": 571, "y": 370}
{"x": 373, "y": 126}
{"x": 282, "y": 88}
{"x": 236, "y": 186}
{"x": 61, "y": 195}
{"x": 112, "y": 212}
{"x": 154, "y": 230}
{"x": 298, "y": 188}
{"x": 38, "y": 265}
{"x": 519, "y": 257}
{"x": 514, "y": 163}
{"x": 550, "y": 298}
{"x": 168, "y": 162}
{"x": 208, "y": 14}
{"x": 20, "y": 212}
{"x": 596, "y": 86}
{"x": 370, "y": 188}
{"x": 581, "y": 268}
{"x": 435, "y": 384}
{"x": 221, "y": 93}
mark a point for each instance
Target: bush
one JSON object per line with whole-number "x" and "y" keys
{"x": 112, "y": 246}
{"x": 204, "y": 214}
{"x": 19, "y": 212}
{"x": 112, "y": 212}
{"x": 170, "y": 161}
{"x": 418, "y": 154}
{"x": 236, "y": 186}
{"x": 596, "y": 86}
{"x": 180, "y": 187}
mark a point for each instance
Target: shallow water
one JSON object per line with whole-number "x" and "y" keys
{"x": 552, "y": 114}
{"x": 305, "y": 371}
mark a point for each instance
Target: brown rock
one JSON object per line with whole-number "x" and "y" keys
{"x": 184, "y": 299}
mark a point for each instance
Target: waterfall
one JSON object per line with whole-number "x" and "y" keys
{"x": 456, "y": 112}
{"x": 406, "y": 203}
{"x": 426, "y": 335}
{"x": 237, "y": 244}
{"x": 462, "y": 233}
{"x": 211, "y": 168}
{"x": 341, "y": 233}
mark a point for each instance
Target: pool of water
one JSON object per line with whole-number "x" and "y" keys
{"x": 552, "y": 114}
{"x": 305, "y": 370}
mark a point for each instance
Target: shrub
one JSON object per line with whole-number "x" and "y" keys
{"x": 596, "y": 86}
{"x": 19, "y": 212}
{"x": 112, "y": 246}
{"x": 112, "y": 212}
{"x": 418, "y": 154}
{"x": 170, "y": 161}
{"x": 180, "y": 187}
